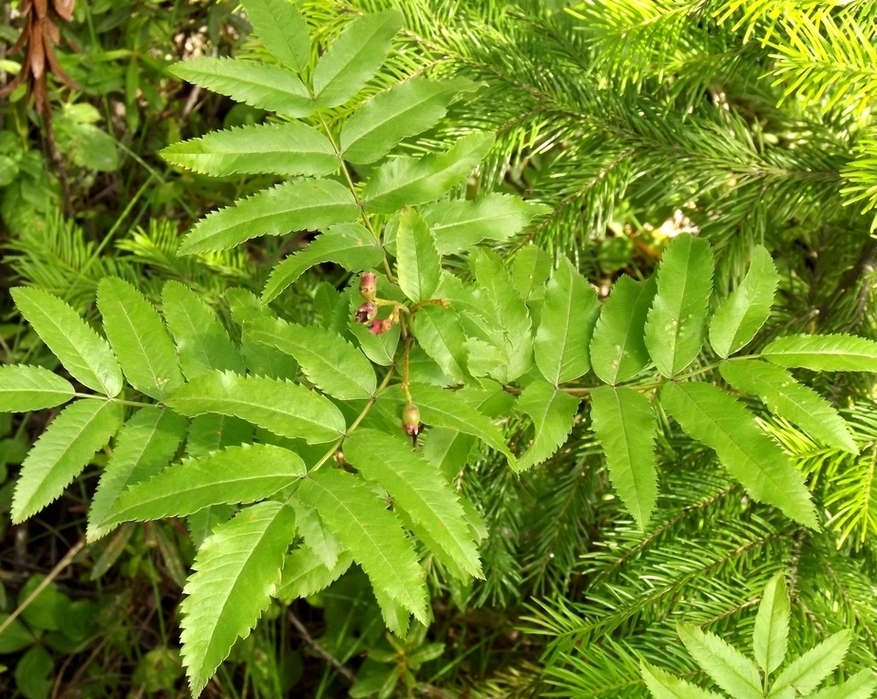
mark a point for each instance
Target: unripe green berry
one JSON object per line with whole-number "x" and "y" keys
{"x": 411, "y": 420}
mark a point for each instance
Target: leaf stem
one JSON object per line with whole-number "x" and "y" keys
{"x": 365, "y": 411}
{"x": 119, "y": 401}
{"x": 363, "y": 215}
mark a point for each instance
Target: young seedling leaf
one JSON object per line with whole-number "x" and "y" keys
{"x": 281, "y": 407}
{"x": 62, "y": 452}
{"x": 625, "y": 425}
{"x": 713, "y": 417}
{"x": 747, "y": 308}
{"x": 237, "y": 571}
{"x": 674, "y": 325}
{"x": 139, "y": 338}
{"x": 791, "y": 400}
{"x": 84, "y": 353}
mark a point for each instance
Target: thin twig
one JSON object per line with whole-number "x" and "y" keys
{"x": 56, "y": 571}
{"x": 342, "y": 669}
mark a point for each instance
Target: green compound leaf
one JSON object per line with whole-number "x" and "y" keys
{"x": 292, "y": 206}
{"x": 418, "y": 265}
{"x": 257, "y": 84}
{"x": 618, "y": 350}
{"x": 410, "y": 181}
{"x": 553, "y": 414}
{"x": 406, "y": 109}
{"x": 418, "y": 488}
{"x": 84, "y": 353}
{"x": 674, "y": 327}
{"x": 440, "y": 334}
{"x": 281, "y": 407}
{"x": 359, "y": 518}
{"x": 305, "y": 574}
{"x": 282, "y": 29}
{"x": 24, "y": 388}
{"x": 747, "y": 308}
{"x": 569, "y": 313}
{"x": 202, "y": 342}
{"x": 459, "y": 225}
{"x": 145, "y": 445}
{"x": 241, "y": 474}
{"x": 713, "y": 417}
{"x": 806, "y": 672}
{"x": 791, "y": 400}
{"x": 771, "y": 637}
{"x": 62, "y": 452}
{"x": 664, "y": 686}
{"x": 823, "y": 352}
{"x": 728, "y": 667}
{"x": 443, "y": 409}
{"x": 237, "y": 571}
{"x": 328, "y": 361}
{"x": 506, "y": 309}
{"x": 859, "y": 686}
{"x": 277, "y": 149}
{"x": 349, "y": 244}
{"x": 139, "y": 339}
{"x": 354, "y": 57}
{"x": 625, "y": 425}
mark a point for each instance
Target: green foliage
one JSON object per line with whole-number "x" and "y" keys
{"x": 739, "y": 676}
{"x": 297, "y": 417}
{"x": 679, "y": 308}
{"x": 83, "y": 353}
{"x": 237, "y": 571}
{"x": 62, "y": 452}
